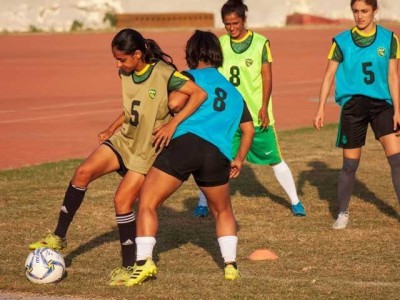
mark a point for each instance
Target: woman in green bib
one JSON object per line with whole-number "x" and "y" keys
{"x": 247, "y": 65}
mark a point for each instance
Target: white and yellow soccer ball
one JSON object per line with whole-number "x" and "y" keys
{"x": 44, "y": 265}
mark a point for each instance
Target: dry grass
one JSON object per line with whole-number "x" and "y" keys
{"x": 315, "y": 262}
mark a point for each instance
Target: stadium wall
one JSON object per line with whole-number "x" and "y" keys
{"x": 67, "y": 15}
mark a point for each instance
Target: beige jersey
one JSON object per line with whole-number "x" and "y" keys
{"x": 145, "y": 105}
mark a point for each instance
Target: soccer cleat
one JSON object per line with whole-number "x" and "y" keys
{"x": 342, "y": 221}
{"x": 50, "y": 241}
{"x": 231, "y": 273}
{"x": 141, "y": 273}
{"x": 298, "y": 210}
{"x": 120, "y": 275}
{"x": 200, "y": 211}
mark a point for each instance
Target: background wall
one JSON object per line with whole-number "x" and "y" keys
{"x": 62, "y": 15}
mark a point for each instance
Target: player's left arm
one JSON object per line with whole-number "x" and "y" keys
{"x": 266, "y": 75}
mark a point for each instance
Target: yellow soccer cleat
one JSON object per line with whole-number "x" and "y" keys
{"x": 120, "y": 275}
{"x": 231, "y": 273}
{"x": 141, "y": 273}
{"x": 51, "y": 241}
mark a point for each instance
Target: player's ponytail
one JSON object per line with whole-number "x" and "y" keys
{"x": 153, "y": 53}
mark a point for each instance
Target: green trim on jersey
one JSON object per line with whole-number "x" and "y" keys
{"x": 336, "y": 54}
{"x": 243, "y": 70}
{"x": 239, "y": 46}
{"x": 176, "y": 82}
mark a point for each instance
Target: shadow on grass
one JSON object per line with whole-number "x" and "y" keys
{"x": 325, "y": 179}
{"x": 106, "y": 237}
{"x": 248, "y": 185}
{"x": 176, "y": 228}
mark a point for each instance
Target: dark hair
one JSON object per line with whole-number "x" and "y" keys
{"x": 373, "y": 3}
{"x": 234, "y": 6}
{"x": 129, "y": 40}
{"x": 203, "y": 46}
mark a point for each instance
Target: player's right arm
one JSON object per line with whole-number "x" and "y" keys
{"x": 107, "y": 133}
{"x": 334, "y": 58}
{"x": 324, "y": 93}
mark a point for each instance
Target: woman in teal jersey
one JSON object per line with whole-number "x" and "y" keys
{"x": 147, "y": 75}
{"x": 247, "y": 65}
{"x": 364, "y": 62}
{"x": 202, "y": 147}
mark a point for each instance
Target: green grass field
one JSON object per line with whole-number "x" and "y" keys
{"x": 315, "y": 261}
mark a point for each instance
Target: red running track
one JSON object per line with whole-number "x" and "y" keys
{"x": 59, "y": 90}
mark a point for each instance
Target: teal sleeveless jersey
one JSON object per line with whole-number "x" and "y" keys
{"x": 243, "y": 70}
{"x": 218, "y": 118}
{"x": 364, "y": 70}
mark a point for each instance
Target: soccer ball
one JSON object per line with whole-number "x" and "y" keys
{"x": 44, "y": 265}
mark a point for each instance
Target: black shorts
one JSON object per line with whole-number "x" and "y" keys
{"x": 356, "y": 114}
{"x": 190, "y": 154}
{"x": 122, "y": 168}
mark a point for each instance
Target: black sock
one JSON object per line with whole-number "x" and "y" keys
{"x": 72, "y": 201}
{"x": 347, "y": 178}
{"x": 127, "y": 234}
{"x": 394, "y": 162}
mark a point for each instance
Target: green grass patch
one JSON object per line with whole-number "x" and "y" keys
{"x": 315, "y": 261}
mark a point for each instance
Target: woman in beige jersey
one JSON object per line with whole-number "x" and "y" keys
{"x": 147, "y": 76}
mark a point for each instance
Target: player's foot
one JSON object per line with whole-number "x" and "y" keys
{"x": 50, "y": 241}
{"x": 231, "y": 271}
{"x": 298, "y": 210}
{"x": 342, "y": 221}
{"x": 141, "y": 272}
{"x": 120, "y": 275}
{"x": 200, "y": 211}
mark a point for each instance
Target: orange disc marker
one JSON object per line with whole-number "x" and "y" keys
{"x": 263, "y": 254}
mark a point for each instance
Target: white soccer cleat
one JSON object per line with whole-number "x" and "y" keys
{"x": 342, "y": 221}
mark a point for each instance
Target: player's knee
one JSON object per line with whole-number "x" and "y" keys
{"x": 82, "y": 176}
{"x": 350, "y": 165}
{"x": 394, "y": 161}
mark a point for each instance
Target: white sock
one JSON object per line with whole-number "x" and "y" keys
{"x": 228, "y": 246}
{"x": 202, "y": 199}
{"x": 285, "y": 179}
{"x": 144, "y": 247}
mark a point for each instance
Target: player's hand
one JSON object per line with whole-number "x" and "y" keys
{"x": 104, "y": 135}
{"x": 263, "y": 119}
{"x": 162, "y": 135}
{"x": 396, "y": 121}
{"x": 236, "y": 167}
{"x": 318, "y": 120}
